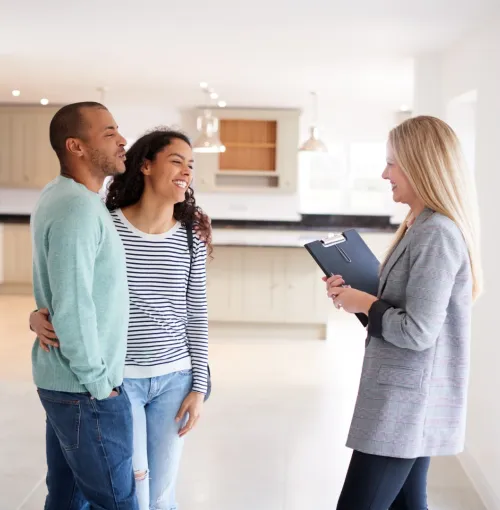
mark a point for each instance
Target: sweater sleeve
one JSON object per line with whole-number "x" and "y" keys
{"x": 73, "y": 244}
{"x": 197, "y": 318}
{"x": 435, "y": 260}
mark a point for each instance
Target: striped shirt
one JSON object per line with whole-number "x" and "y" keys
{"x": 168, "y": 325}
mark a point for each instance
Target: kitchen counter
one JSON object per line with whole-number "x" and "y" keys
{"x": 278, "y": 238}
{"x": 264, "y": 238}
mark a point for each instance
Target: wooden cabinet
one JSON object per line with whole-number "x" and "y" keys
{"x": 26, "y": 157}
{"x": 260, "y": 286}
{"x": 15, "y": 258}
{"x": 265, "y": 285}
{"x": 224, "y": 292}
{"x": 250, "y": 145}
{"x": 261, "y": 152}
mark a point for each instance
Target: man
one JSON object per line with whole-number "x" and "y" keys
{"x": 79, "y": 275}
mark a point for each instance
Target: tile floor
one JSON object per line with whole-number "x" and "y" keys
{"x": 271, "y": 438}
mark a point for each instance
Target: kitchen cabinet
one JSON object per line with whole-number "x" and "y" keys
{"x": 265, "y": 285}
{"x": 261, "y": 152}
{"x": 15, "y": 258}
{"x": 26, "y": 157}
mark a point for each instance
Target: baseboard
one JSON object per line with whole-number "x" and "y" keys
{"x": 255, "y": 331}
{"x": 491, "y": 500}
{"x": 16, "y": 289}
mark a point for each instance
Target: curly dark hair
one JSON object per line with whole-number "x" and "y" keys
{"x": 126, "y": 189}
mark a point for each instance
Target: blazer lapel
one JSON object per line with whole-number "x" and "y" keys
{"x": 400, "y": 249}
{"x": 393, "y": 258}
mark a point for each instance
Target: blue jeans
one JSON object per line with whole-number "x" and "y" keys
{"x": 157, "y": 445}
{"x": 89, "y": 452}
{"x": 385, "y": 483}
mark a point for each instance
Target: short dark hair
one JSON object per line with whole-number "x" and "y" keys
{"x": 68, "y": 122}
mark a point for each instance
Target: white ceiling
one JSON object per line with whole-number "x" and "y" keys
{"x": 263, "y": 52}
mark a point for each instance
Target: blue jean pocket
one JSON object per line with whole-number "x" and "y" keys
{"x": 64, "y": 415}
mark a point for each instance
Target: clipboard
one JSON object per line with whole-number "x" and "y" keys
{"x": 348, "y": 255}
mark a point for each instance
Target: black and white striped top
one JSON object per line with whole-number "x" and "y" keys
{"x": 168, "y": 327}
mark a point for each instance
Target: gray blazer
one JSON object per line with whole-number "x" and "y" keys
{"x": 413, "y": 392}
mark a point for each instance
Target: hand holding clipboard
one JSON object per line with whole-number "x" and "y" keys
{"x": 348, "y": 255}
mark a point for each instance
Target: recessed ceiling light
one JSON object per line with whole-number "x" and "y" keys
{"x": 214, "y": 95}
{"x": 203, "y": 84}
{"x": 222, "y": 104}
{"x": 16, "y": 93}
{"x": 404, "y": 108}
{"x": 44, "y": 101}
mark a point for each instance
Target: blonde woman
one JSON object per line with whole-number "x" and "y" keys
{"x": 412, "y": 396}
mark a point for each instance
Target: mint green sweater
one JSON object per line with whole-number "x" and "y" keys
{"x": 79, "y": 274}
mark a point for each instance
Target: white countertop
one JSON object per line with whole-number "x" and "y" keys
{"x": 273, "y": 238}
{"x": 261, "y": 237}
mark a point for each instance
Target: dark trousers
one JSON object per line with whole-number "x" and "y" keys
{"x": 89, "y": 452}
{"x": 385, "y": 483}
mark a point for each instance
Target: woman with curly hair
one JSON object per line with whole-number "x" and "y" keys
{"x": 166, "y": 370}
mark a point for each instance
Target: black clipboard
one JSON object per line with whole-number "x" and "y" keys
{"x": 348, "y": 255}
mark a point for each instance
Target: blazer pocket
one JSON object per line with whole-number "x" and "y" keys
{"x": 402, "y": 377}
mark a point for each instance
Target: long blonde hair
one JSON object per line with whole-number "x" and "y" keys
{"x": 428, "y": 152}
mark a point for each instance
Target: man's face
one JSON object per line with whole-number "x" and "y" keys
{"x": 103, "y": 146}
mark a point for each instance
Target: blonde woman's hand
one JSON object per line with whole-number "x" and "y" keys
{"x": 193, "y": 404}
{"x": 333, "y": 282}
{"x": 40, "y": 324}
{"x": 352, "y": 300}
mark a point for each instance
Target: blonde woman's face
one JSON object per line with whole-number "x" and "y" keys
{"x": 401, "y": 188}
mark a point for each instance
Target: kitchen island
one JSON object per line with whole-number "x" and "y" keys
{"x": 264, "y": 282}
{"x": 261, "y": 282}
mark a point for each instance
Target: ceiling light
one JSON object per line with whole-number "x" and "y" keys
{"x": 404, "y": 108}
{"x": 313, "y": 143}
{"x": 222, "y": 104}
{"x": 16, "y": 93}
{"x": 102, "y": 93}
{"x": 208, "y": 140}
{"x": 214, "y": 95}
{"x": 44, "y": 101}
{"x": 203, "y": 84}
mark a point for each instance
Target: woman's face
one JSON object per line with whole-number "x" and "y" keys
{"x": 171, "y": 172}
{"x": 402, "y": 190}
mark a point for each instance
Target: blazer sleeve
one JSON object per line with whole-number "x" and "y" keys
{"x": 436, "y": 256}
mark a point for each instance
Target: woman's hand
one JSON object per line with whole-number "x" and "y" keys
{"x": 352, "y": 300}
{"x": 333, "y": 282}
{"x": 40, "y": 324}
{"x": 193, "y": 405}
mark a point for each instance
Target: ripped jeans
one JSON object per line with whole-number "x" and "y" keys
{"x": 157, "y": 445}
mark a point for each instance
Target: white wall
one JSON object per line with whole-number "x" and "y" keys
{"x": 475, "y": 65}
{"x": 461, "y": 113}
{"x": 428, "y": 88}
{"x": 347, "y": 180}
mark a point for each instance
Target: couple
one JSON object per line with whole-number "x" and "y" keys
{"x": 121, "y": 362}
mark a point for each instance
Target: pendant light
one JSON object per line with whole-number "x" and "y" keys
{"x": 208, "y": 140}
{"x": 313, "y": 143}
{"x": 102, "y": 93}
